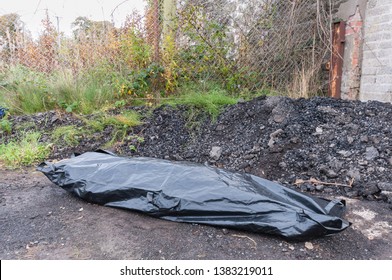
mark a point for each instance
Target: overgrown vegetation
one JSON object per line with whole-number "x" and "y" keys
{"x": 199, "y": 53}
{"x": 146, "y": 61}
{"x": 24, "y": 152}
{"x": 26, "y": 91}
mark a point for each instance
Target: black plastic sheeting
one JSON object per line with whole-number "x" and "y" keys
{"x": 194, "y": 193}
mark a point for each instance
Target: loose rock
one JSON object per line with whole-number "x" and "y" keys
{"x": 371, "y": 153}
{"x": 215, "y": 152}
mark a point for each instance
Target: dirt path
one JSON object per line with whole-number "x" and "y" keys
{"x": 41, "y": 221}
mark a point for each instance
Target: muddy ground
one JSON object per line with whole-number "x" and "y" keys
{"x": 343, "y": 147}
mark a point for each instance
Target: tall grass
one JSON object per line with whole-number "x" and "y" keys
{"x": 26, "y": 91}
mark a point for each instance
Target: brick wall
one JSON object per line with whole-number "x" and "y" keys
{"x": 376, "y": 79}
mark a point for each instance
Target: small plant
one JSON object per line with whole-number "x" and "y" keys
{"x": 69, "y": 108}
{"x": 120, "y": 103}
{"x": 5, "y": 126}
{"x": 25, "y": 152}
{"x": 132, "y": 148}
{"x": 135, "y": 140}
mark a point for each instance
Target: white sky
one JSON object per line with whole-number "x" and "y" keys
{"x": 33, "y": 11}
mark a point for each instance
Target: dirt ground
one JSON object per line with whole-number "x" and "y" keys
{"x": 41, "y": 221}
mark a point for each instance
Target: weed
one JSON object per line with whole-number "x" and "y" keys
{"x": 5, "y": 126}
{"x": 132, "y": 148}
{"x": 135, "y": 142}
{"x": 120, "y": 103}
{"x": 120, "y": 124}
{"x": 125, "y": 120}
{"x": 135, "y": 138}
{"x": 93, "y": 124}
{"x": 24, "y": 152}
{"x": 69, "y": 108}
{"x": 25, "y": 126}
{"x": 210, "y": 102}
{"x": 69, "y": 134}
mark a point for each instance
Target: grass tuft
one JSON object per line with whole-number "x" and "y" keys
{"x": 5, "y": 126}
{"x": 70, "y": 134}
{"x": 25, "y": 152}
{"x": 210, "y": 101}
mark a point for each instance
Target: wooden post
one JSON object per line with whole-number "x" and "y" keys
{"x": 169, "y": 13}
{"x": 157, "y": 33}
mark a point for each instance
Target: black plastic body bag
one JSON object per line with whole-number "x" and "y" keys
{"x": 195, "y": 193}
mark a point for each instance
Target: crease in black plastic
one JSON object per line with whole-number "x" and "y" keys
{"x": 195, "y": 193}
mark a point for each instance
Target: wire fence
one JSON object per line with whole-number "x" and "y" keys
{"x": 240, "y": 46}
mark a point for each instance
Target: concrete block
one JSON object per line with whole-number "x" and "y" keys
{"x": 368, "y": 79}
{"x": 369, "y": 70}
{"x": 382, "y": 88}
{"x": 386, "y": 35}
{"x": 384, "y": 70}
{"x": 383, "y": 45}
{"x": 366, "y": 96}
{"x": 370, "y": 61}
{"x": 379, "y": 10}
{"x": 383, "y": 79}
{"x": 371, "y": 42}
{"x": 367, "y": 87}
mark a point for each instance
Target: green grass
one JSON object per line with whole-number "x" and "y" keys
{"x": 25, "y": 152}
{"x": 120, "y": 124}
{"x": 84, "y": 94}
{"x": 26, "y": 91}
{"x": 69, "y": 134}
{"x": 5, "y": 126}
{"x": 210, "y": 100}
{"x": 100, "y": 121}
{"x": 26, "y": 126}
{"x": 126, "y": 119}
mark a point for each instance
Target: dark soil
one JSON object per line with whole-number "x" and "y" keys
{"x": 344, "y": 147}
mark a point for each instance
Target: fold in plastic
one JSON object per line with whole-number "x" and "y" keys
{"x": 194, "y": 193}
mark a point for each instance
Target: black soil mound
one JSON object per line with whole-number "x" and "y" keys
{"x": 320, "y": 145}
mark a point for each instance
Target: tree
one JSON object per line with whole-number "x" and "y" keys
{"x": 11, "y": 29}
{"x": 10, "y": 24}
{"x": 83, "y": 26}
